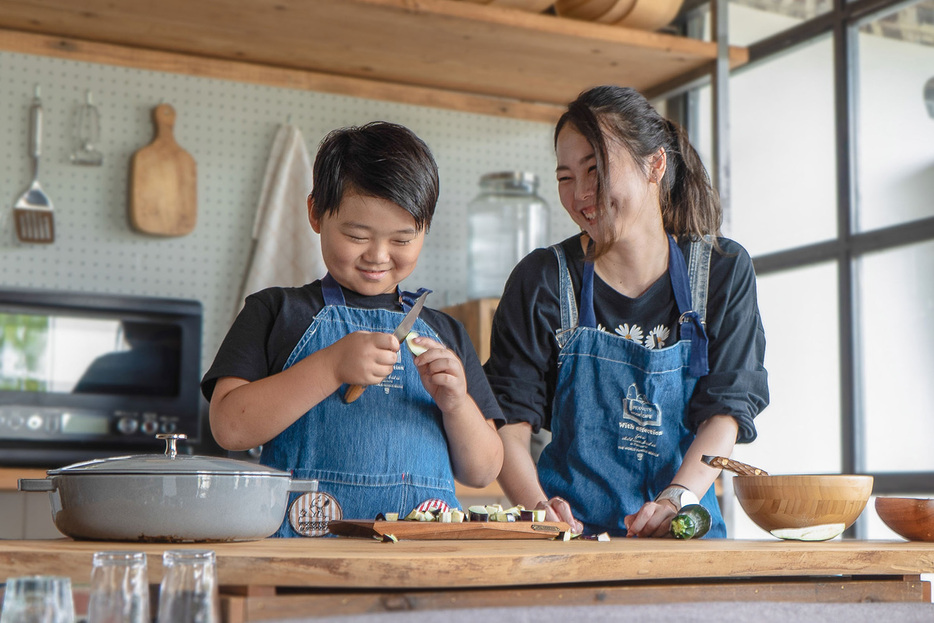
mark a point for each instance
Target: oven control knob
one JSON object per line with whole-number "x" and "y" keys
{"x": 34, "y": 422}
{"x": 150, "y": 427}
{"x": 16, "y": 421}
{"x": 127, "y": 425}
{"x": 169, "y": 427}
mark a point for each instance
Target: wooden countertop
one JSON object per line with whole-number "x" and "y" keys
{"x": 9, "y": 476}
{"x": 364, "y": 563}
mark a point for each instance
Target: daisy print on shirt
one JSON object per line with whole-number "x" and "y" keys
{"x": 656, "y": 339}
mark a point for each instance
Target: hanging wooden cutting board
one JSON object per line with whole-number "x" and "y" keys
{"x": 163, "y": 182}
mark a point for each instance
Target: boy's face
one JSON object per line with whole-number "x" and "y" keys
{"x": 370, "y": 245}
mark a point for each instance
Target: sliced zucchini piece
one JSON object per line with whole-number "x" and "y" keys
{"x": 410, "y": 342}
{"x": 823, "y": 532}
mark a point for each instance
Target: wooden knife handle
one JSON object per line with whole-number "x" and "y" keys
{"x": 734, "y": 466}
{"x": 353, "y": 392}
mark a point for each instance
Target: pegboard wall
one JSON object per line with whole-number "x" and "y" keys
{"x": 228, "y": 127}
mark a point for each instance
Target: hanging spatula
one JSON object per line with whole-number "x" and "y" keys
{"x": 33, "y": 211}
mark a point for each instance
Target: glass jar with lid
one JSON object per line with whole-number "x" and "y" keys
{"x": 506, "y": 221}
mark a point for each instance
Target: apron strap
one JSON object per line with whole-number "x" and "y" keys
{"x": 407, "y": 299}
{"x": 699, "y": 274}
{"x": 565, "y": 297}
{"x": 691, "y": 323}
{"x": 333, "y": 295}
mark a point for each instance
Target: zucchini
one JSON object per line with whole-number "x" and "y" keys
{"x": 691, "y": 522}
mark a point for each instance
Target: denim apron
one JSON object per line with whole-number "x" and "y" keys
{"x": 618, "y": 416}
{"x": 386, "y": 451}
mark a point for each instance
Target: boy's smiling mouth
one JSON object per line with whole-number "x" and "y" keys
{"x": 373, "y": 275}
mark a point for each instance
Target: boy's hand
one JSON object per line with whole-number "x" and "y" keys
{"x": 364, "y": 357}
{"x": 442, "y": 374}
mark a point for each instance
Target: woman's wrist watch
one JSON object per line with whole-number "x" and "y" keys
{"x": 678, "y": 495}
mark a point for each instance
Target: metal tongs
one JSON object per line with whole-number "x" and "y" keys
{"x": 734, "y": 466}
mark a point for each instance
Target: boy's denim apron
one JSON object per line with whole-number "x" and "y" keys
{"x": 618, "y": 418}
{"x": 386, "y": 451}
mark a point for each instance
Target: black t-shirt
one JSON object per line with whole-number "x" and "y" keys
{"x": 523, "y": 363}
{"x": 273, "y": 320}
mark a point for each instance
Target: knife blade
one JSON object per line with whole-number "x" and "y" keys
{"x": 355, "y": 391}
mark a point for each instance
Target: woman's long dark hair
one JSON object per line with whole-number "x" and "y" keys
{"x": 689, "y": 204}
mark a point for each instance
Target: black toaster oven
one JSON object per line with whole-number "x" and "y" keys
{"x": 86, "y": 375}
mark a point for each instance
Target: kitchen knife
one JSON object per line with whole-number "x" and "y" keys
{"x": 734, "y": 466}
{"x": 355, "y": 391}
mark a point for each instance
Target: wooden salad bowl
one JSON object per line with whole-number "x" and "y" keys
{"x": 802, "y": 501}
{"x": 910, "y": 518}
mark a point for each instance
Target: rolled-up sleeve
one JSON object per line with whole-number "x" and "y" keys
{"x": 737, "y": 384}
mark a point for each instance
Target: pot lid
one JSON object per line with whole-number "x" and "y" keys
{"x": 170, "y": 463}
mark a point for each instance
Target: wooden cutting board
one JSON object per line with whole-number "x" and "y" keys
{"x": 163, "y": 182}
{"x": 437, "y": 531}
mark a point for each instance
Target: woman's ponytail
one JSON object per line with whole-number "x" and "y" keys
{"x": 690, "y": 205}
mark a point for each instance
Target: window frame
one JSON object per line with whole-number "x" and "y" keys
{"x": 845, "y": 250}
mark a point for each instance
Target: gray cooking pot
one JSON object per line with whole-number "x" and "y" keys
{"x": 171, "y": 497}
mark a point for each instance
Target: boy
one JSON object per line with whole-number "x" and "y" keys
{"x": 281, "y": 373}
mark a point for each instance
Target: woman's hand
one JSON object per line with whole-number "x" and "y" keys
{"x": 557, "y": 509}
{"x": 652, "y": 520}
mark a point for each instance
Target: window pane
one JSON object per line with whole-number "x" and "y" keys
{"x": 895, "y": 128}
{"x": 754, "y": 20}
{"x": 783, "y": 171}
{"x": 895, "y": 334}
{"x": 799, "y": 432}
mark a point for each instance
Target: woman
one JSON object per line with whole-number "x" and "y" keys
{"x": 637, "y": 342}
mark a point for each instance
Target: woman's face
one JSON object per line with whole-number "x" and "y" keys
{"x": 633, "y": 197}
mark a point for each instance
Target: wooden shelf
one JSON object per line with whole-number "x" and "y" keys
{"x": 472, "y": 57}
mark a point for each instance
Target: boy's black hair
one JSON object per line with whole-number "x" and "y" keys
{"x": 379, "y": 159}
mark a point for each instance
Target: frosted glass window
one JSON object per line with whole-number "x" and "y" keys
{"x": 754, "y": 20}
{"x": 799, "y": 311}
{"x": 894, "y": 137}
{"x": 895, "y": 337}
{"x": 783, "y": 177}
{"x": 799, "y": 432}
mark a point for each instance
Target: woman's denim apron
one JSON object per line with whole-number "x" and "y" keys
{"x": 618, "y": 418}
{"x": 386, "y": 451}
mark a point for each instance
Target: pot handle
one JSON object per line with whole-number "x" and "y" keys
{"x": 36, "y": 484}
{"x": 305, "y": 486}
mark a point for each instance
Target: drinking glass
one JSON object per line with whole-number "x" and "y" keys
{"x": 38, "y": 599}
{"x": 119, "y": 588}
{"x": 188, "y": 593}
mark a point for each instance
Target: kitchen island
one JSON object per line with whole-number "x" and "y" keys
{"x": 277, "y": 579}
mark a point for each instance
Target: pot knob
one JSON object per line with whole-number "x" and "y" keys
{"x": 170, "y": 440}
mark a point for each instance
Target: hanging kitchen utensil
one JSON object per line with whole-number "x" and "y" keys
{"x": 88, "y": 131}
{"x": 163, "y": 182}
{"x": 734, "y": 466}
{"x": 33, "y": 211}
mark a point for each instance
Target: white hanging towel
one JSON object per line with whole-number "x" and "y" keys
{"x": 286, "y": 250}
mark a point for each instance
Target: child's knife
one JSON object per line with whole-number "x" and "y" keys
{"x": 355, "y": 391}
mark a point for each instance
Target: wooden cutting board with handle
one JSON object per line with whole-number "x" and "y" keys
{"x": 163, "y": 182}
{"x": 437, "y": 531}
